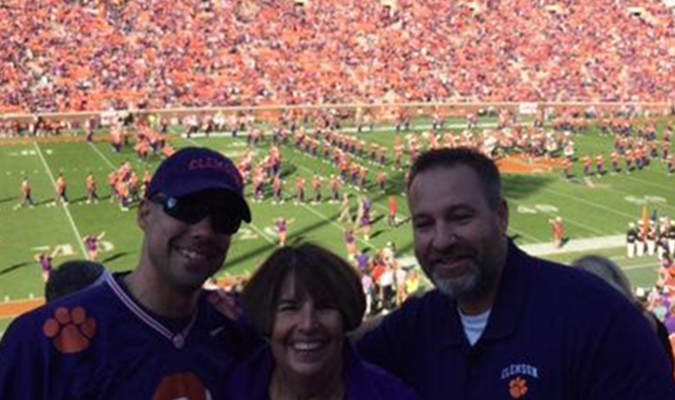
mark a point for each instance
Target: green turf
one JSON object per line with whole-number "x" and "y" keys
{"x": 591, "y": 208}
{"x": 3, "y": 325}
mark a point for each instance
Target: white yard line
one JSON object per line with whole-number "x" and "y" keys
{"x": 643, "y": 266}
{"x": 622, "y": 259}
{"x": 571, "y": 221}
{"x": 590, "y": 203}
{"x": 65, "y": 208}
{"x": 107, "y": 161}
{"x": 576, "y": 245}
{"x": 525, "y": 235}
{"x": 583, "y": 226}
{"x": 646, "y": 182}
{"x": 262, "y": 233}
{"x": 651, "y": 205}
{"x": 325, "y": 218}
{"x": 191, "y": 141}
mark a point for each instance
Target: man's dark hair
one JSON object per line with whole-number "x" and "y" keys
{"x": 70, "y": 277}
{"x": 485, "y": 168}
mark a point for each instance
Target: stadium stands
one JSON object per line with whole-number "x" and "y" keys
{"x": 95, "y": 55}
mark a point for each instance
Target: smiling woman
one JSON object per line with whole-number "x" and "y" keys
{"x": 305, "y": 299}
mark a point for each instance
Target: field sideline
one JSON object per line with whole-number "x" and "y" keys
{"x": 596, "y": 210}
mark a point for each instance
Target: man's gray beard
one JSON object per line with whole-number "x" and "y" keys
{"x": 467, "y": 289}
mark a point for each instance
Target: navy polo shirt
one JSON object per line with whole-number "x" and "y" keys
{"x": 554, "y": 333}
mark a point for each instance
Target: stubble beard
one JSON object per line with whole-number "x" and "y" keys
{"x": 466, "y": 289}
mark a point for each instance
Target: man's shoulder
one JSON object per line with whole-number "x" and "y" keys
{"x": 429, "y": 300}
{"x": 551, "y": 283}
{"x": 66, "y": 327}
{"x": 421, "y": 312}
{"x": 240, "y": 331}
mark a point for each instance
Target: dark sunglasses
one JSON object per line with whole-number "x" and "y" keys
{"x": 192, "y": 210}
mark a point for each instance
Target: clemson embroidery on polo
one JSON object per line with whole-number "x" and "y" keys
{"x": 520, "y": 369}
{"x": 518, "y": 388}
{"x": 518, "y": 375}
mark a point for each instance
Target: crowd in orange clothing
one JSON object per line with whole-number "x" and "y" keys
{"x": 94, "y": 55}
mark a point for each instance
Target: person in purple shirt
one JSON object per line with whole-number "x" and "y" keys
{"x": 502, "y": 324}
{"x": 46, "y": 261}
{"x": 363, "y": 260}
{"x": 91, "y": 243}
{"x": 305, "y": 299}
{"x": 153, "y": 333}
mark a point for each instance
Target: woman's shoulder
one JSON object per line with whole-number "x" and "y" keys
{"x": 388, "y": 386}
{"x": 368, "y": 381}
{"x": 250, "y": 379}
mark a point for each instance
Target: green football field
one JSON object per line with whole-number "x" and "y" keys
{"x": 596, "y": 210}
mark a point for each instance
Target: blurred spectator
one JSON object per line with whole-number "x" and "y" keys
{"x": 615, "y": 277}
{"x": 73, "y": 276}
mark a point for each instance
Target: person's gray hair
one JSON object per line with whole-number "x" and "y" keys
{"x": 608, "y": 271}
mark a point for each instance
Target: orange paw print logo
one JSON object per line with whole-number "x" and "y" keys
{"x": 518, "y": 388}
{"x": 184, "y": 385}
{"x": 71, "y": 331}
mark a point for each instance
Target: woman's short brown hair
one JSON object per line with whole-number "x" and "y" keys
{"x": 318, "y": 273}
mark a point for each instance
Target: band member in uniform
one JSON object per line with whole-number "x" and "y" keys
{"x": 558, "y": 230}
{"x": 278, "y": 189}
{"x": 26, "y": 193}
{"x": 631, "y": 240}
{"x": 61, "y": 187}
{"x": 345, "y": 212}
{"x": 334, "y": 189}
{"x": 92, "y": 194}
{"x": 300, "y": 190}
{"x": 393, "y": 210}
{"x": 317, "y": 183}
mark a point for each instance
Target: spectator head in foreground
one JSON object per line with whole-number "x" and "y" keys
{"x": 608, "y": 271}
{"x": 73, "y": 276}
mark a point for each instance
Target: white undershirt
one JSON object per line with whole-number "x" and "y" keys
{"x": 474, "y": 325}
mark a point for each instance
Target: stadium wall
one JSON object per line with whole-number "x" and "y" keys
{"x": 379, "y": 112}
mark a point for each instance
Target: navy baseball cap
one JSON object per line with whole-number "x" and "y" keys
{"x": 195, "y": 169}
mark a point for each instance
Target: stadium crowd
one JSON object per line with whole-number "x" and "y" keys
{"x": 95, "y": 55}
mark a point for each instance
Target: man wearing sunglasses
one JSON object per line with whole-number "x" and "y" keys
{"x": 153, "y": 333}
